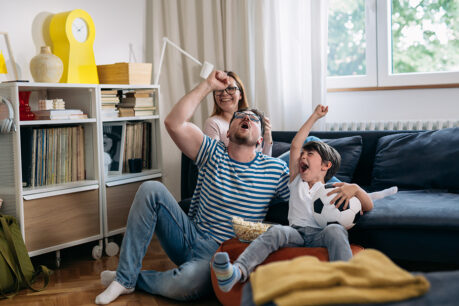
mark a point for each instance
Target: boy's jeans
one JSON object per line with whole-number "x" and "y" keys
{"x": 155, "y": 210}
{"x": 334, "y": 237}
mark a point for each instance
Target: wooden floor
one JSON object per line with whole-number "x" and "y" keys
{"x": 77, "y": 281}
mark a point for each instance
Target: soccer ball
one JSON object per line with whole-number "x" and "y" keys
{"x": 326, "y": 213}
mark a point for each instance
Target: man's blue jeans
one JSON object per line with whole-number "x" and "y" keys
{"x": 155, "y": 210}
{"x": 334, "y": 237}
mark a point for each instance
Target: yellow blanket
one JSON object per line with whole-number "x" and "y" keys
{"x": 369, "y": 277}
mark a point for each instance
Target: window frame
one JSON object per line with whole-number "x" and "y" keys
{"x": 370, "y": 78}
{"x": 379, "y": 49}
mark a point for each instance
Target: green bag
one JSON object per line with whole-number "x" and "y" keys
{"x": 16, "y": 269}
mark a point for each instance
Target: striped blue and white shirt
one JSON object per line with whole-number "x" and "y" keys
{"x": 227, "y": 188}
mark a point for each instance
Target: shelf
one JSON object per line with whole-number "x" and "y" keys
{"x": 124, "y": 178}
{"x": 126, "y": 86}
{"x": 51, "y": 122}
{"x": 138, "y": 118}
{"x": 36, "y": 86}
{"x": 94, "y": 205}
{"x": 60, "y": 188}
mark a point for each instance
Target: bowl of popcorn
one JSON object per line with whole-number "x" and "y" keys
{"x": 247, "y": 231}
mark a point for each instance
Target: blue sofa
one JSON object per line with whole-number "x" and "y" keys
{"x": 419, "y": 224}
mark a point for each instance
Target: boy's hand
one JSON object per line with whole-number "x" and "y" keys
{"x": 217, "y": 80}
{"x": 344, "y": 193}
{"x": 320, "y": 111}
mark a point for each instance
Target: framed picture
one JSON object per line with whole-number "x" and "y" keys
{"x": 113, "y": 137}
{"x": 8, "y": 70}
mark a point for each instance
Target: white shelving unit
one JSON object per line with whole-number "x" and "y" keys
{"x": 119, "y": 189}
{"x": 57, "y": 216}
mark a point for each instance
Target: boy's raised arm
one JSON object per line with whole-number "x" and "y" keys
{"x": 186, "y": 135}
{"x": 300, "y": 137}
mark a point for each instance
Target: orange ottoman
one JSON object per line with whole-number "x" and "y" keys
{"x": 234, "y": 248}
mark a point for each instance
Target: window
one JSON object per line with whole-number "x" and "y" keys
{"x": 413, "y": 42}
{"x": 351, "y": 44}
{"x": 346, "y": 38}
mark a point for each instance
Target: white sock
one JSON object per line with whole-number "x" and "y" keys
{"x": 107, "y": 277}
{"x": 383, "y": 193}
{"x": 112, "y": 293}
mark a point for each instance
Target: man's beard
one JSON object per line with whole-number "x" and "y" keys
{"x": 242, "y": 139}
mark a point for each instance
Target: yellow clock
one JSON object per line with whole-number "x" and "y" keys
{"x": 72, "y": 34}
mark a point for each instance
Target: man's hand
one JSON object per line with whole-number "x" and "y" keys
{"x": 344, "y": 193}
{"x": 218, "y": 80}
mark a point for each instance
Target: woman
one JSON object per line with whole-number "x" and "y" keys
{"x": 226, "y": 102}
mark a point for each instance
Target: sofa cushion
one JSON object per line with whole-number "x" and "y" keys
{"x": 280, "y": 147}
{"x": 349, "y": 148}
{"x": 413, "y": 226}
{"x": 418, "y": 160}
{"x": 417, "y": 209}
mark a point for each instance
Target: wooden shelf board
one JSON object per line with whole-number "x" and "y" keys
{"x": 131, "y": 118}
{"x": 59, "y": 187}
{"x": 127, "y": 86}
{"x": 50, "y": 122}
{"x": 139, "y": 176}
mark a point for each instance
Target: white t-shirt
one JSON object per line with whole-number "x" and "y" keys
{"x": 300, "y": 203}
{"x": 216, "y": 128}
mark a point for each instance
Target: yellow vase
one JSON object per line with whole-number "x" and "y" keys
{"x": 46, "y": 67}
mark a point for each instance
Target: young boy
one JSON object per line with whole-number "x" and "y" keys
{"x": 310, "y": 167}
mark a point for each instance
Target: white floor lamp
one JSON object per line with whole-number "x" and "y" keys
{"x": 206, "y": 66}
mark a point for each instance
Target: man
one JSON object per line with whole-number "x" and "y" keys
{"x": 232, "y": 181}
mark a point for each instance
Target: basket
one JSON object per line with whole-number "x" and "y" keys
{"x": 247, "y": 231}
{"x": 125, "y": 73}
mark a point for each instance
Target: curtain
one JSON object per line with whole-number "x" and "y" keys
{"x": 288, "y": 41}
{"x": 277, "y": 47}
{"x": 196, "y": 26}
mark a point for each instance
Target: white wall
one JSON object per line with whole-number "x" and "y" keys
{"x": 118, "y": 23}
{"x": 410, "y": 104}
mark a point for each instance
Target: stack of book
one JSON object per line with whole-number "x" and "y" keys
{"x": 138, "y": 103}
{"x": 110, "y": 100}
{"x": 52, "y": 155}
{"x": 60, "y": 114}
{"x": 51, "y": 104}
{"x": 137, "y": 144}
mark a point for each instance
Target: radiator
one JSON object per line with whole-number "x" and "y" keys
{"x": 391, "y": 125}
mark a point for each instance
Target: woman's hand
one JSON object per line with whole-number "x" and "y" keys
{"x": 267, "y": 136}
{"x": 344, "y": 193}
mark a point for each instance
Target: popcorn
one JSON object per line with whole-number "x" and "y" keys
{"x": 247, "y": 231}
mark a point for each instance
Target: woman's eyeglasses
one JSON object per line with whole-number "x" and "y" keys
{"x": 252, "y": 117}
{"x": 231, "y": 90}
